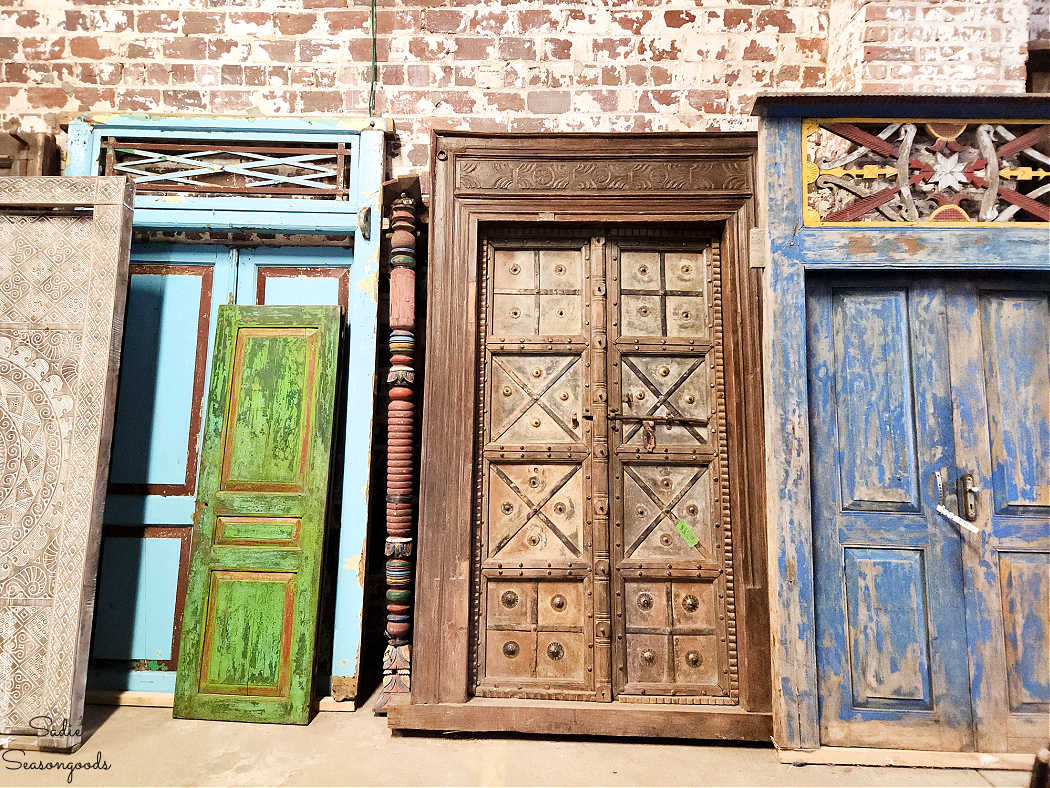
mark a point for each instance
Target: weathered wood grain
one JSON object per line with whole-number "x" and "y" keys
{"x": 251, "y": 609}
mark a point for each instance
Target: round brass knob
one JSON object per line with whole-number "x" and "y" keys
{"x": 690, "y": 399}
{"x": 537, "y": 373}
{"x": 558, "y": 602}
{"x": 515, "y": 269}
{"x": 559, "y": 508}
{"x": 690, "y": 603}
{"x": 643, "y": 270}
{"x": 533, "y": 539}
{"x": 664, "y": 371}
{"x": 693, "y": 659}
{"x": 640, "y": 395}
{"x": 508, "y": 599}
{"x": 691, "y": 508}
{"x": 507, "y": 391}
{"x": 685, "y": 314}
{"x": 687, "y": 269}
{"x": 510, "y": 649}
{"x": 563, "y": 396}
{"x": 507, "y": 507}
{"x": 559, "y": 269}
{"x": 555, "y": 651}
{"x": 648, "y": 657}
{"x": 665, "y": 540}
{"x": 515, "y": 313}
{"x": 643, "y": 311}
{"x": 645, "y": 600}
{"x": 536, "y": 422}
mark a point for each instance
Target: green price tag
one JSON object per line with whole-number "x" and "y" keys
{"x": 687, "y": 533}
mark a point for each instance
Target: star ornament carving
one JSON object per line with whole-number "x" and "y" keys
{"x": 949, "y": 172}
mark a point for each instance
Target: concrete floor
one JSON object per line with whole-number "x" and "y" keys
{"x": 145, "y": 746}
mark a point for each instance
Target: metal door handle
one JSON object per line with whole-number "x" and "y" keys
{"x": 947, "y": 513}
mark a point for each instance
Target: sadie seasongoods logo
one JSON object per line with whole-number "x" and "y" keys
{"x": 20, "y": 760}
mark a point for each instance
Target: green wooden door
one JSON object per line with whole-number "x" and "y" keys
{"x": 251, "y": 605}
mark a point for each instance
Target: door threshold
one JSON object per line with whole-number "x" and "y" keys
{"x": 877, "y": 756}
{"x": 584, "y": 718}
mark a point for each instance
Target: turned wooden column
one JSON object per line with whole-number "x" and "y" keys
{"x": 400, "y": 485}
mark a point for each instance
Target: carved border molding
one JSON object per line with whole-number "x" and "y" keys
{"x": 603, "y": 174}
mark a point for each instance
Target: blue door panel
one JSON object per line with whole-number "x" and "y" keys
{"x": 889, "y": 632}
{"x": 1025, "y": 580}
{"x": 873, "y": 404}
{"x": 136, "y": 598}
{"x": 1015, "y": 328}
{"x": 157, "y": 376}
{"x": 890, "y": 622}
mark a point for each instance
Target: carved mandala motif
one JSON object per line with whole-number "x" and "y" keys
{"x": 35, "y": 418}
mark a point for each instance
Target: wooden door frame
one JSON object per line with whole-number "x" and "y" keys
{"x": 595, "y": 179}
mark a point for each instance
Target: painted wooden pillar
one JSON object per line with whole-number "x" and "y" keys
{"x": 397, "y": 659}
{"x": 367, "y": 193}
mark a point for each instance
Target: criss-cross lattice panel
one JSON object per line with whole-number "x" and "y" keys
{"x": 666, "y": 399}
{"x": 536, "y": 399}
{"x": 319, "y": 171}
{"x": 656, "y": 498}
{"x": 535, "y": 512}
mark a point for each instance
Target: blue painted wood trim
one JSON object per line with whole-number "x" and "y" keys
{"x": 788, "y": 507}
{"x": 1011, "y": 248}
{"x": 361, "y": 350}
{"x": 108, "y": 680}
{"x": 322, "y": 217}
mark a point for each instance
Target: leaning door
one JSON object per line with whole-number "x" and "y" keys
{"x": 1000, "y": 364}
{"x": 890, "y": 619}
{"x": 541, "y": 534}
{"x": 249, "y": 623}
{"x": 674, "y": 597}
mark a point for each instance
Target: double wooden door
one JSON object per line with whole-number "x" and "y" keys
{"x": 603, "y": 562}
{"x": 933, "y": 606}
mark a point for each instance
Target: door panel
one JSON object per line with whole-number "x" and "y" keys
{"x": 891, "y": 644}
{"x": 587, "y": 336}
{"x": 541, "y": 476}
{"x": 1000, "y": 364}
{"x": 251, "y": 609}
{"x": 674, "y": 606}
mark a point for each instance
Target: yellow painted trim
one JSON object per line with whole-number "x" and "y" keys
{"x": 810, "y": 171}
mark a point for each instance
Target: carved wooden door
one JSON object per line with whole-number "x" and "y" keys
{"x": 603, "y": 564}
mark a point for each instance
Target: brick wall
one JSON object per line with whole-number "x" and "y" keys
{"x": 574, "y": 65}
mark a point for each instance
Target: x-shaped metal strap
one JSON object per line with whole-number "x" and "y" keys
{"x": 663, "y": 399}
{"x": 665, "y": 510}
{"x": 535, "y": 398}
{"x": 534, "y": 509}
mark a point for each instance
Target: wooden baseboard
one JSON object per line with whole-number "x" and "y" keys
{"x": 564, "y": 718}
{"x": 872, "y": 756}
{"x": 166, "y": 700}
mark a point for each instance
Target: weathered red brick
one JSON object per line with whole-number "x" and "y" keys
{"x": 184, "y": 99}
{"x": 557, "y": 48}
{"x": 157, "y": 21}
{"x": 779, "y": 18}
{"x": 353, "y": 20}
{"x": 517, "y": 49}
{"x": 678, "y": 18}
{"x": 632, "y": 21}
{"x": 289, "y": 24}
{"x": 185, "y": 48}
{"x": 89, "y": 47}
{"x": 548, "y": 102}
{"x": 474, "y": 48}
{"x": 198, "y": 22}
{"x": 755, "y": 51}
{"x": 47, "y": 97}
{"x": 443, "y": 20}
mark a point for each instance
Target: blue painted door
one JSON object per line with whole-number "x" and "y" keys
{"x": 1000, "y": 364}
{"x": 932, "y": 633}
{"x": 890, "y": 617}
{"x": 174, "y": 292}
